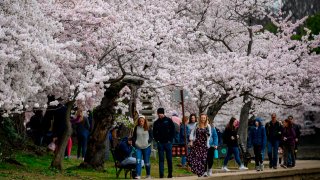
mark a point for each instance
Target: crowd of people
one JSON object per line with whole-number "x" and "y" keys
{"x": 46, "y": 129}
{"x": 202, "y": 138}
{"x": 198, "y": 133}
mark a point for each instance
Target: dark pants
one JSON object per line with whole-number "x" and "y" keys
{"x": 82, "y": 143}
{"x": 273, "y": 153}
{"x": 165, "y": 147}
{"x": 210, "y": 158}
{"x": 257, "y": 154}
{"x": 288, "y": 152}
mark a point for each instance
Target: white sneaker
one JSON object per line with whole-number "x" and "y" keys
{"x": 261, "y": 167}
{"x": 148, "y": 177}
{"x": 242, "y": 167}
{"x": 209, "y": 172}
{"x": 224, "y": 168}
{"x": 137, "y": 177}
{"x": 205, "y": 174}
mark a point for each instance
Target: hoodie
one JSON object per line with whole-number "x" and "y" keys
{"x": 257, "y": 135}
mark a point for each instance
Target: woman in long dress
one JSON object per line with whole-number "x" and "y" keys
{"x": 199, "y": 142}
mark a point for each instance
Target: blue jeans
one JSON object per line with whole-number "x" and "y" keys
{"x": 184, "y": 158}
{"x": 273, "y": 153}
{"x": 82, "y": 143}
{"x": 146, "y": 158}
{"x": 165, "y": 147}
{"x": 235, "y": 151}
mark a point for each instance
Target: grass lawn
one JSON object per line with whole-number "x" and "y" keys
{"x": 37, "y": 167}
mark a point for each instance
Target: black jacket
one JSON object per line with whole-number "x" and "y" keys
{"x": 273, "y": 131}
{"x": 163, "y": 130}
{"x": 228, "y": 132}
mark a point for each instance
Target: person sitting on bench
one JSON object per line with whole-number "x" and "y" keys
{"x": 125, "y": 153}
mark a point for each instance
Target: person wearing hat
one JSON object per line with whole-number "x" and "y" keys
{"x": 164, "y": 132}
{"x": 258, "y": 139}
{"x": 142, "y": 138}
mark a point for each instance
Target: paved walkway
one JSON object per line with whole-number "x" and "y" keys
{"x": 303, "y": 168}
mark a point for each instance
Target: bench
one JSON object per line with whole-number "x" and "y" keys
{"x": 119, "y": 167}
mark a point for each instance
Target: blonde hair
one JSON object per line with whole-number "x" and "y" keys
{"x": 207, "y": 120}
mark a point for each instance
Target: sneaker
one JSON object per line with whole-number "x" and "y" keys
{"x": 209, "y": 172}
{"x": 204, "y": 174}
{"x": 284, "y": 166}
{"x": 261, "y": 167}
{"x": 224, "y": 168}
{"x": 258, "y": 168}
{"x": 137, "y": 177}
{"x": 169, "y": 176}
{"x": 148, "y": 177}
{"x": 275, "y": 167}
{"x": 242, "y": 167}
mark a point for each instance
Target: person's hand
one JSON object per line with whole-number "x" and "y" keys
{"x": 284, "y": 138}
{"x": 190, "y": 144}
{"x": 296, "y": 139}
{"x": 232, "y": 138}
{"x": 215, "y": 147}
{"x": 238, "y": 136}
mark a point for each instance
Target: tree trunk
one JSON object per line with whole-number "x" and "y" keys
{"x": 103, "y": 117}
{"x": 59, "y": 153}
{"x": 244, "y": 116}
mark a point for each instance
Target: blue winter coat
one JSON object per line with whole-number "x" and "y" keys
{"x": 257, "y": 136}
{"x": 214, "y": 137}
{"x": 182, "y": 138}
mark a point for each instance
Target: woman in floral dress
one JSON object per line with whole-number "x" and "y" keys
{"x": 199, "y": 142}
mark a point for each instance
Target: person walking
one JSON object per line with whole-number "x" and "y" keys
{"x": 213, "y": 143}
{"x": 199, "y": 143}
{"x": 273, "y": 131}
{"x": 142, "y": 138}
{"x": 164, "y": 132}
{"x": 258, "y": 139}
{"x": 184, "y": 138}
{"x": 297, "y": 130}
{"x": 288, "y": 141}
{"x": 231, "y": 139}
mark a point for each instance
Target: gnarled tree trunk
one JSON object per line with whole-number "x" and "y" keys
{"x": 103, "y": 117}
{"x": 244, "y": 117}
{"x": 59, "y": 153}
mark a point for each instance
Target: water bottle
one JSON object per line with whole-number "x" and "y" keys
{"x": 216, "y": 154}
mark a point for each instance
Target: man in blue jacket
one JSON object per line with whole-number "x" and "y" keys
{"x": 163, "y": 133}
{"x": 258, "y": 138}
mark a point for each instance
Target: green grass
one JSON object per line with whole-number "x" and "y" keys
{"x": 37, "y": 167}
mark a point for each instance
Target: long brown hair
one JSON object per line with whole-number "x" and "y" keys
{"x": 145, "y": 125}
{"x": 288, "y": 122}
{"x": 230, "y": 124}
